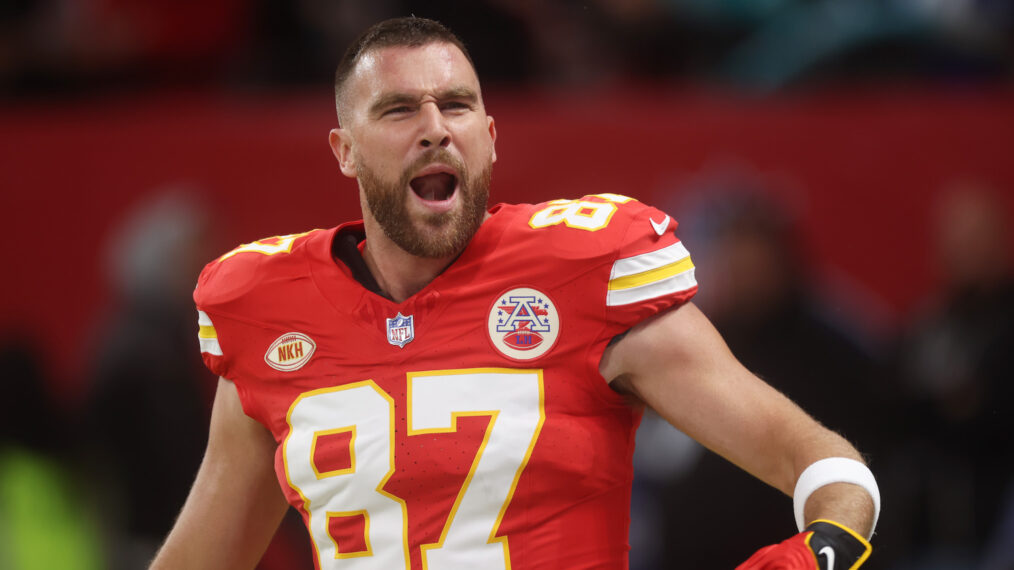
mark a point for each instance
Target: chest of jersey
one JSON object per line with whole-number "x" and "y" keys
{"x": 446, "y": 425}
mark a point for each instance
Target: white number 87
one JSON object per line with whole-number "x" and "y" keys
{"x": 514, "y": 402}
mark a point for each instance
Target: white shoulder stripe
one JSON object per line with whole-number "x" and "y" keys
{"x": 207, "y": 335}
{"x": 210, "y": 345}
{"x": 649, "y": 261}
{"x": 669, "y": 285}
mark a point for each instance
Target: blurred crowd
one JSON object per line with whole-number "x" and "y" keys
{"x": 929, "y": 400}
{"x": 61, "y": 47}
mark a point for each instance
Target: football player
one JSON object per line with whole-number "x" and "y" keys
{"x": 446, "y": 385}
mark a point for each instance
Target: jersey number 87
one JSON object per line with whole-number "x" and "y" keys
{"x": 512, "y": 399}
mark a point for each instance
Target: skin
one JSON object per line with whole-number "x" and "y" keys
{"x": 678, "y": 364}
{"x": 410, "y": 100}
{"x": 402, "y": 103}
{"x": 235, "y": 504}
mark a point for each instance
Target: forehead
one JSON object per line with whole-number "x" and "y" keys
{"x": 428, "y": 69}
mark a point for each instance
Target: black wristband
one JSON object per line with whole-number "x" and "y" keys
{"x": 837, "y": 547}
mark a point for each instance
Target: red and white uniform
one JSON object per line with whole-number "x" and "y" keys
{"x": 467, "y": 427}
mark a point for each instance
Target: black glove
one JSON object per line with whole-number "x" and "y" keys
{"x": 824, "y": 545}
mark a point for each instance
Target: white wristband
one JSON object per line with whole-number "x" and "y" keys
{"x": 834, "y": 470}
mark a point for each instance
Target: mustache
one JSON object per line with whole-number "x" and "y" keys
{"x": 438, "y": 155}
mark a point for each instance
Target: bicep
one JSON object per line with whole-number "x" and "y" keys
{"x": 235, "y": 504}
{"x": 678, "y": 364}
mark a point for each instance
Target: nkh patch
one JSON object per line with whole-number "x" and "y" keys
{"x": 523, "y": 323}
{"x": 400, "y": 330}
{"x": 290, "y": 352}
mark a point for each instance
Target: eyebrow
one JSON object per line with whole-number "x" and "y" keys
{"x": 394, "y": 99}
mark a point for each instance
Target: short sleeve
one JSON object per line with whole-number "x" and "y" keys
{"x": 211, "y": 350}
{"x": 652, "y": 270}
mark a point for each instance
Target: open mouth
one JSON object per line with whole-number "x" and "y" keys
{"x": 435, "y": 187}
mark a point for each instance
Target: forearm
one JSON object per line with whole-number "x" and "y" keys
{"x": 235, "y": 504}
{"x": 833, "y": 504}
{"x": 679, "y": 365}
{"x": 829, "y": 479}
{"x": 840, "y": 489}
{"x": 225, "y": 523}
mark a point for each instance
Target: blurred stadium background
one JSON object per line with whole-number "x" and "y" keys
{"x": 842, "y": 171}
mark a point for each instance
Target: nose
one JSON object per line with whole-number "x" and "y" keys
{"x": 434, "y": 131}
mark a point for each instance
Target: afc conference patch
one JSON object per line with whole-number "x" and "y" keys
{"x": 523, "y": 324}
{"x": 400, "y": 330}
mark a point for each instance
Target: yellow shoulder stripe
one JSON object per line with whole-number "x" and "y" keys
{"x": 650, "y": 276}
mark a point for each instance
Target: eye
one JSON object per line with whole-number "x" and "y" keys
{"x": 455, "y": 106}
{"x": 399, "y": 110}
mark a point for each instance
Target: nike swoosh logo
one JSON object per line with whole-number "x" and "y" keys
{"x": 829, "y": 553}
{"x": 660, "y": 227}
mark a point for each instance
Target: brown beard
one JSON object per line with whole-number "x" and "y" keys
{"x": 436, "y": 235}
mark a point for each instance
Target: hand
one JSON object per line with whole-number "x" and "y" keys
{"x": 824, "y": 545}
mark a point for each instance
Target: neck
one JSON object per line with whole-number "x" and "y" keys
{"x": 399, "y": 273}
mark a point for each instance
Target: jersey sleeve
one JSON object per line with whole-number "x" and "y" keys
{"x": 220, "y": 281}
{"x": 621, "y": 258}
{"x": 230, "y": 293}
{"x": 652, "y": 270}
{"x": 211, "y": 350}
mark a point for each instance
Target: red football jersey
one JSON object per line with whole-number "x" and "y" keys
{"x": 469, "y": 425}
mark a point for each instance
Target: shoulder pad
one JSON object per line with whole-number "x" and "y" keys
{"x": 237, "y": 272}
{"x": 600, "y": 224}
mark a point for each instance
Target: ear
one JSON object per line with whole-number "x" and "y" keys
{"x": 341, "y": 145}
{"x": 492, "y": 135}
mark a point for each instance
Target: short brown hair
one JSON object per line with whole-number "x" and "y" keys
{"x": 403, "y": 32}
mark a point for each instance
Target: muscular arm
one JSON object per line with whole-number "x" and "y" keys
{"x": 678, "y": 364}
{"x": 235, "y": 505}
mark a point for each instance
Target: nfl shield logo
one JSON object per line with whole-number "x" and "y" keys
{"x": 400, "y": 330}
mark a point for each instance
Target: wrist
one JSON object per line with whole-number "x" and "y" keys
{"x": 836, "y": 546}
{"x": 834, "y": 470}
